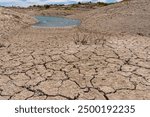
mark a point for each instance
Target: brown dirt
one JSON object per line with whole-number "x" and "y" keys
{"x": 98, "y": 60}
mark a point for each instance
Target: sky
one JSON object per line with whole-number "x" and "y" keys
{"x": 25, "y": 3}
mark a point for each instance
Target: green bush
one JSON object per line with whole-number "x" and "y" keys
{"x": 46, "y": 6}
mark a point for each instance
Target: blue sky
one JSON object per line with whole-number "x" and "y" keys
{"x": 41, "y": 2}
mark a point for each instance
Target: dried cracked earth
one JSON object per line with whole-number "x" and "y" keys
{"x": 71, "y": 63}
{"x": 116, "y": 67}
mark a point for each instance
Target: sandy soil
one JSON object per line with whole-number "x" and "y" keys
{"x": 106, "y": 57}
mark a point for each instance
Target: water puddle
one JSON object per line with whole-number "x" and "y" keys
{"x": 48, "y": 21}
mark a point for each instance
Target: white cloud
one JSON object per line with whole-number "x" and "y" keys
{"x": 118, "y": 0}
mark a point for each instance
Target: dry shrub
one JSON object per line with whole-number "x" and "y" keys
{"x": 89, "y": 38}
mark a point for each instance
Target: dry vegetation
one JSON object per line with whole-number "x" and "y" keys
{"x": 88, "y": 5}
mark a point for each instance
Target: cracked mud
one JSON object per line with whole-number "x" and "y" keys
{"x": 86, "y": 62}
{"x": 113, "y": 67}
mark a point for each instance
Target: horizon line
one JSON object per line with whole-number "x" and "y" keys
{"x": 12, "y": 4}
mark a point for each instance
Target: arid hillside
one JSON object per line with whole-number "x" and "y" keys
{"x": 131, "y": 16}
{"x": 11, "y": 22}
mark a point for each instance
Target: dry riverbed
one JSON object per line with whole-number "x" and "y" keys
{"x": 85, "y": 62}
